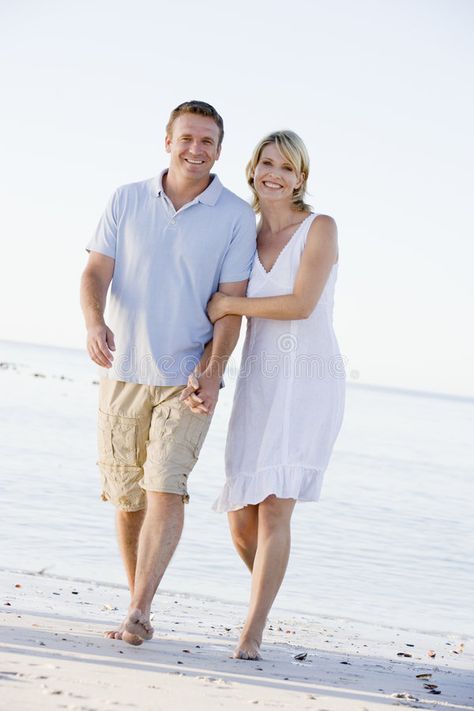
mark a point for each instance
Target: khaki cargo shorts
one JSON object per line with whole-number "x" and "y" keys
{"x": 148, "y": 441}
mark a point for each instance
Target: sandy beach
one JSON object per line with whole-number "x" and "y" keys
{"x": 53, "y": 656}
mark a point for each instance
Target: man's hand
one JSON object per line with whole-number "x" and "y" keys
{"x": 100, "y": 344}
{"x": 201, "y": 392}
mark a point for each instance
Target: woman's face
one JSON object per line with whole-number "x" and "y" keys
{"x": 274, "y": 177}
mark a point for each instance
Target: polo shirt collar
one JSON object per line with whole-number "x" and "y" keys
{"x": 209, "y": 196}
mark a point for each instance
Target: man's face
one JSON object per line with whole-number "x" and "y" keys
{"x": 193, "y": 145}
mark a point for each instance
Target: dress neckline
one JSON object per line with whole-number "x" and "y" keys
{"x": 311, "y": 214}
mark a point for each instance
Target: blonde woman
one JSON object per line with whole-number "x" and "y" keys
{"x": 289, "y": 398}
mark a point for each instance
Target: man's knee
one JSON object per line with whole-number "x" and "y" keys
{"x": 130, "y": 516}
{"x": 165, "y": 499}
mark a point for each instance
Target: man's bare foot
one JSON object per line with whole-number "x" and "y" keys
{"x": 137, "y": 625}
{"x": 247, "y": 648}
{"x": 119, "y": 634}
{"x": 115, "y": 634}
{"x": 131, "y": 638}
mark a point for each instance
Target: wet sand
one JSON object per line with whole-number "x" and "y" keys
{"x": 53, "y": 656}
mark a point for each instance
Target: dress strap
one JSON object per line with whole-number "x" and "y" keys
{"x": 305, "y": 227}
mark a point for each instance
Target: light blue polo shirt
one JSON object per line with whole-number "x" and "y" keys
{"x": 168, "y": 264}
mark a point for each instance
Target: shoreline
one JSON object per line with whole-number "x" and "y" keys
{"x": 201, "y": 597}
{"x": 52, "y": 645}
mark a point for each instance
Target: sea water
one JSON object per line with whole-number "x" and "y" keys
{"x": 390, "y": 542}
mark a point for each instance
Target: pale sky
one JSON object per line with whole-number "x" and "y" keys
{"x": 380, "y": 91}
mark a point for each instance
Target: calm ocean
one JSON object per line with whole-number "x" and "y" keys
{"x": 390, "y": 541}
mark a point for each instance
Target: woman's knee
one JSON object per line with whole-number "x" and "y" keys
{"x": 243, "y": 529}
{"x": 274, "y": 514}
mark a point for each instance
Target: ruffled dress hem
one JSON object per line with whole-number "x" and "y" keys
{"x": 284, "y": 481}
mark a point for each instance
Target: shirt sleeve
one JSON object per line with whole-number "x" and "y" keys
{"x": 239, "y": 258}
{"x": 105, "y": 237}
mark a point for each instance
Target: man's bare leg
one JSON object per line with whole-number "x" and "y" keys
{"x": 159, "y": 538}
{"x": 128, "y": 524}
{"x": 271, "y": 559}
{"x": 243, "y": 526}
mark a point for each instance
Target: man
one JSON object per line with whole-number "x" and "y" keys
{"x": 165, "y": 245}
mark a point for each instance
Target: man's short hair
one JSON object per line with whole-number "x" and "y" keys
{"x": 196, "y": 107}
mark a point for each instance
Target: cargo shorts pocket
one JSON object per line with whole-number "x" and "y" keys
{"x": 117, "y": 440}
{"x": 197, "y": 430}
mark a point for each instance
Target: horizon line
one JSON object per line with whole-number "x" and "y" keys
{"x": 395, "y": 389}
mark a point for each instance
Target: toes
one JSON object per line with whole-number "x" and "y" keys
{"x": 251, "y": 655}
{"x": 113, "y": 634}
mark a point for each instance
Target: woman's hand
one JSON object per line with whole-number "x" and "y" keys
{"x": 217, "y": 306}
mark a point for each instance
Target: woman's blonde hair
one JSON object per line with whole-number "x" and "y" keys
{"x": 294, "y": 150}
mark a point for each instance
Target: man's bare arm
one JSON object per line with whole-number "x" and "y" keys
{"x": 202, "y": 391}
{"x": 226, "y": 332}
{"x": 95, "y": 283}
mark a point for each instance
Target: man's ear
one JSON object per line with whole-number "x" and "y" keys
{"x": 168, "y": 140}
{"x": 219, "y": 152}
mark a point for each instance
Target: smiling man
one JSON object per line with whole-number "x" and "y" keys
{"x": 164, "y": 246}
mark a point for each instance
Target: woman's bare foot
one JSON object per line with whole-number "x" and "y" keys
{"x": 247, "y": 648}
{"x": 137, "y": 625}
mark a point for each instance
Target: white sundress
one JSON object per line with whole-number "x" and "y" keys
{"x": 289, "y": 397}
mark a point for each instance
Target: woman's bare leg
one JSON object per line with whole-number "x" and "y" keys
{"x": 271, "y": 559}
{"x": 244, "y": 530}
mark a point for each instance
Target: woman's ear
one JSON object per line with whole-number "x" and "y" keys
{"x": 301, "y": 179}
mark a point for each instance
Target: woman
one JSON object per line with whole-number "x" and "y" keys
{"x": 289, "y": 398}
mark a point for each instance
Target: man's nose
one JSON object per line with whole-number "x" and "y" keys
{"x": 195, "y": 146}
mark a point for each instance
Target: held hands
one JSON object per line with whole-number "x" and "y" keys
{"x": 216, "y": 307}
{"x": 201, "y": 393}
{"x": 100, "y": 344}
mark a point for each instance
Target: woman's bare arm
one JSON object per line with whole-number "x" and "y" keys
{"x": 319, "y": 255}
